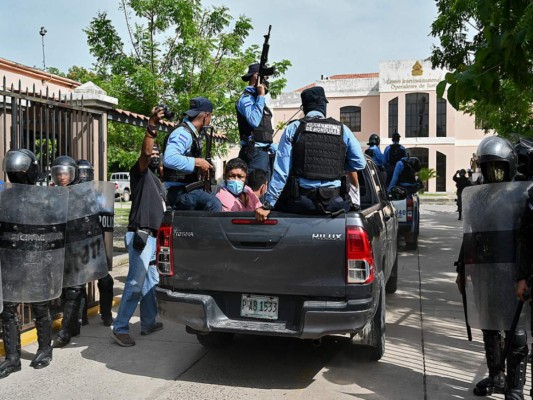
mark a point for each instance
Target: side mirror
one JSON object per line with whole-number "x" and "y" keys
{"x": 397, "y": 193}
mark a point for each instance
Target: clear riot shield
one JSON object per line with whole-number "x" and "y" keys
{"x": 85, "y": 255}
{"x": 491, "y": 215}
{"x": 106, "y": 203}
{"x": 32, "y": 241}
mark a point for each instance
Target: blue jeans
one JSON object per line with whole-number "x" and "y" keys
{"x": 140, "y": 284}
{"x": 196, "y": 200}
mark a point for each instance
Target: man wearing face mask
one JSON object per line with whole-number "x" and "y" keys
{"x": 183, "y": 164}
{"x": 234, "y": 194}
{"x": 255, "y": 121}
{"x": 147, "y": 209}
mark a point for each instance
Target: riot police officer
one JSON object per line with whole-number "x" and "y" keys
{"x": 376, "y": 154}
{"x": 392, "y": 154}
{"x": 64, "y": 173}
{"x": 405, "y": 175}
{"x": 21, "y": 166}
{"x": 489, "y": 250}
{"x": 312, "y": 159}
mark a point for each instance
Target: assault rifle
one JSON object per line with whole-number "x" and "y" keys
{"x": 263, "y": 69}
{"x": 208, "y": 132}
{"x": 460, "y": 265}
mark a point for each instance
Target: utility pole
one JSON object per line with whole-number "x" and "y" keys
{"x": 42, "y": 32}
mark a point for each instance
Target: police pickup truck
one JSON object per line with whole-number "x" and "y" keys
{"x": 292, "y": 275}
{"x": 409, "y": 220}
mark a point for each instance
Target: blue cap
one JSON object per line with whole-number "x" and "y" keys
{"x": 198, "y": 105}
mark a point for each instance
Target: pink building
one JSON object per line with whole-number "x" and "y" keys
{"x": 400, "y": 97}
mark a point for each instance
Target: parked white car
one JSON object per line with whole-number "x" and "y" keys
{"x": 122, "y": 185}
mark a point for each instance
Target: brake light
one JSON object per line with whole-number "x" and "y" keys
{"x": 409, "y": 204}
{"x": 243, "y": 221}
{"x": 164, "y": 250}
{"x": 359, "y": 257}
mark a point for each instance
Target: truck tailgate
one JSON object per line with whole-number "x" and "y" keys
{"x": 294, "y": 255}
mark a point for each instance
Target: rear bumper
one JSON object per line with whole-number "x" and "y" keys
{"x": 318, "y": 318}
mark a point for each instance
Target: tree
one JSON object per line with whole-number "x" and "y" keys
{"x": 179, "y": 50}
{"x": 487, "y": 46}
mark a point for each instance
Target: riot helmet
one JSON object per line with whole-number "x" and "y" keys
{"x": 497, "y": 159}
{"x": 84, "y": 171}
{"x": 63, "y": 170}
{"x": 414, "y": 163}
{"x": 21, "y": 166}
{"x": 524, "y": 151}
{"x": 374, "y": 140}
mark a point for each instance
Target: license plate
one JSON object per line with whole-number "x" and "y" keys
{"x": 401, "y": 209}
{"x": 265, "y": 307}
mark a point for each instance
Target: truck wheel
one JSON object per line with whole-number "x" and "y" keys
{"x": 126, "y": 195}
{"x": 215, "y": 340}
{"x": 392, "y": 283}
{"x": 411, "y": 241}
{"x": 376, "y": 347}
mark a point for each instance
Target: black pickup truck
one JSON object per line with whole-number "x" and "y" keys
{"x": 293, "y": 275}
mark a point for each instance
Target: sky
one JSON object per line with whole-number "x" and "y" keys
{"x": 319, "y": 37}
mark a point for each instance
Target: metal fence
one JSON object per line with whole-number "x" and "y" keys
{"x": 50, "y": 125}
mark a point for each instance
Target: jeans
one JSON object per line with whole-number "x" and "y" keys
{"x": 195, "y": 200}
{"x": 260, "y": 159}
{"x": 305, "y": 205}
{"x": 140, "y": 284}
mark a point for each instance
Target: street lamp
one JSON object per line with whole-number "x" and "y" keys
{"x": 42, "y": 32}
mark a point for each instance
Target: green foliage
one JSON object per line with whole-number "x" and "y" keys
{"x": 177, "y": 50}
{"x": 487, "y": 44}
{"x": 425, "y": 174}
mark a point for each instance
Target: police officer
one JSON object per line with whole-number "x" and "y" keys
{"x": 64, "y": 173}
{"x": 497, "y": 160}
{"x": 405, "y": 175}
{"x": 461, "y": 181}
{"x": 22, "y": 167}
{"x": 315, "y": 153}
{"x": 183, "y": 163}
{"x": 377, "y": 155}
{"x": 255, "y": 121}
{"x": 392, "y": 154}
{"x": 85, "y": 173}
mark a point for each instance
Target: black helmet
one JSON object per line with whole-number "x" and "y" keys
{"x": 414, "y": 163}
{"x": 524, "y": 151}
{"x": 84, "y": 172}
{"x": 396, "y": 137}
{"x": 21, "y": 166}
{"x": 373, "y": 140}
{"x": 497, "y": 159}
{"x": 63, "y": 170}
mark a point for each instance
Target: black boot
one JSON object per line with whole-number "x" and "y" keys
{"x": 495, "y": 382}
{"x": 70, "y": 325}
{"x": 11, "y": 330}
{"x": 516, "y": 368}
{"x": 105, "y": 287}
{"x": 83, "y": 307}
{"x": 44, "y": 337}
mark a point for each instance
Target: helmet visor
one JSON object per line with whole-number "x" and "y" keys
{"x": 16, "y": 161}
{"x": 63, "y": 175}
{"x": 495, "y": 172}
{"x": 85, "y": 174}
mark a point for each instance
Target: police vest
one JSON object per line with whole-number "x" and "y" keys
{"x": 319, "y": 151}
{"x": 172, "y": 175}
{"x": 408, "y": 174}
{"x": 396, "y": 153}
{"x": 263, "y": 133}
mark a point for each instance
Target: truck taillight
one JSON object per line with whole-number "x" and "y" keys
{"x": 164, "y": 250}
{"x": 359, "y": 258}
{"x": 409, "y": 211}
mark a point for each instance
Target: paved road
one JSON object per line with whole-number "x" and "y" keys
{"x": 427, "y": 356}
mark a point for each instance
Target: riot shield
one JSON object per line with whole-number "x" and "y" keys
{"x": 32, "y": 241}
{"x": 106, "y": 204}
{"x": 85, "y": 255}
{"x": 491, "y": 215}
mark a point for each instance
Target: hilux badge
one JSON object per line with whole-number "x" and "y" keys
{"x": 326, "y": 236}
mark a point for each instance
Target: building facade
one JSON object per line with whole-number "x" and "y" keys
{"x": 400, "y": 98}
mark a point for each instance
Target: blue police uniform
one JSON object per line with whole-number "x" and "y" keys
{"x": 396, "y": 176}
{"x": 377, "y": 155}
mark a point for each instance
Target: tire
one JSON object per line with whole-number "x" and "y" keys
{"x": 411, "y": 241}
{"x": 126, "y": 195}
{"x": 392, "y": 283}
{"x": 215, "y": 340}
{"x": 376, "y": 347}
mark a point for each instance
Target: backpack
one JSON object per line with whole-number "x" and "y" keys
{"x": 396, "y": 153}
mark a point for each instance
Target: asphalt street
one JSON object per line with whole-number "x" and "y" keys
{"x": 427, "y": 354}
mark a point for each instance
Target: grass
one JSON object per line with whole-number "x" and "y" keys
{"x": 122, "y": 212}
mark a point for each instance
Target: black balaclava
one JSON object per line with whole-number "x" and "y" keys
{"x": 155, "y": 161}
{"x": 314, "y": 99}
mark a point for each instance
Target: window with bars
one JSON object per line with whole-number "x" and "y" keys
{"x": 417, "y": 115}
{"x": 441, "y": 117}
{"x": 351, "y": 117}
{"x": 393, "y": 116}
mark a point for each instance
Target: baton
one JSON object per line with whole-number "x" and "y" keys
{"x": 509, "y": 339}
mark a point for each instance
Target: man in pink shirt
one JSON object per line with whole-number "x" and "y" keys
{"x": 234, "y": 194}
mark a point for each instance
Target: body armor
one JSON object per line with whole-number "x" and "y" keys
{"x": 263, "y": 133}
{"x": 408, "y": 174}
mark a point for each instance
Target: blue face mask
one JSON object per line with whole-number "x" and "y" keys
{"x": 235, "y": 186}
